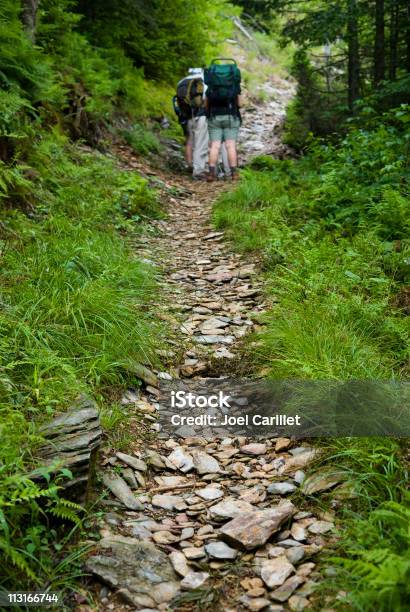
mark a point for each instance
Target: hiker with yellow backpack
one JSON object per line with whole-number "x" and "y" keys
{"x": 189, "y": 105}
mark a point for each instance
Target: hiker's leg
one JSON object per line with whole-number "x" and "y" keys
{"x": 188, "y": 150}
{"x": 225, "y": 162}
{"x": 200, "y": 145}
{"x": 232, "y": 154}
{"x": 214, "y": 152}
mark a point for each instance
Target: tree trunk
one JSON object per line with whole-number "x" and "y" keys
{"x": 379, "y": 43}
{"x": 394, "y": 34}
{"x": 29, "y": 16}
{"x": 353, "y": 54}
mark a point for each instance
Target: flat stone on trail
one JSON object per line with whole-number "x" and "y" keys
{"x": 281, "y": 488}
{"x": 298, "y": 532}
{"x": 320, "y": 527}
{"x": 166, "y": 502}
{"x": 275, "y": 571}
{"x": 179, "y": 563}
{"x": 194, "y": 580}
{"x": 164, "y": 537}
{"x": 204, "y": 339}
{"x": 135, "y": 565}
{"x": 121, "y": 491}
{"x": 255, "y": 603}
{"x": 193, "y": 553}
{"x": 253, "y": 449}
{"x": 229, "y": 508}
{"x": 181, "y": 459}
{"x": 254, "y": 528}
{"x": 210, "y": 493}
{"x": 213, "y": 323}
{"x": 220, "y": 550}
{"x": 134, "y": 462}
{"x": 204, "y": 463}
{"x": 170, "y": 481}
{"x": 287, "y": 588}
{"x": 282, "y": 444}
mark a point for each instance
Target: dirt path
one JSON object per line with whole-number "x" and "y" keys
{"x": 198, "y": 524}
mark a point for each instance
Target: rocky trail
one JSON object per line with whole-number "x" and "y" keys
{"x": 190, "y": 523}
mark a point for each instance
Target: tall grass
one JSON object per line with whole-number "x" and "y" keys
{"x": 75, "y": 317}
{"x": 332, "y": 234}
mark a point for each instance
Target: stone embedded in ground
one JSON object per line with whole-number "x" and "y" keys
{"x": 274, "y": 572}
{"x": 320, "y": 527}
{"x": 210, "y": 493}
{"x": 320, "y": 482}
{"x": 252, "y": 529}
{"x": 187, "y": 533}
{"x": 297, "y": 603}
{"x": 220, "y": 550}
{"x": 281, "y": 488}
{"x": 129, "y": 478}
{"x": 254, "y": 604}
{"x": 251, "y": 583}
{"x": 306, "y": 569}
{"x": 193, "y": 553}
{"x": 166, "y": 502}
{"x": 295, "y": 554}
{"x": 154, "y": 460}
{"x": 228, "y": 508}
{"x": 134, "y": 462}
{"x": 288, "y": 587}
{"x": 144, "y": 374}
{"x": 204, "y": 339}
{"x": 181, "y": 459}
{"x": 300, "y": 460}
{"x": 164, "y": 537}
{"x": 255, "y": 495}
{"x": 179, "y": 563}
{"x": 298, "y": 532}
{"x": 299, "y": 476}
{"x": 171, "y": 481}
{"x": 282, "y": 444}
{"x": 253, "y": 449}
{"x": 204, "y": 463}
{"x": 194, "y": 580}
{"x": 121, "y": 491}
{"x": 138, "y": 566}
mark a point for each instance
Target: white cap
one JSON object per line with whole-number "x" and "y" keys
{"x": 195, "y": 71}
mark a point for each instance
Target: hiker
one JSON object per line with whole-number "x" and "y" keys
{"x": 222, "y": 104}
{"x": 189, "y": 105}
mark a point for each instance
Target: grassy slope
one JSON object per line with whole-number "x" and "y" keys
{"x": 75, "y": 317}
{"x": 332, "y": 231}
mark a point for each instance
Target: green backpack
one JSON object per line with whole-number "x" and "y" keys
{"x": 223, "y": 81}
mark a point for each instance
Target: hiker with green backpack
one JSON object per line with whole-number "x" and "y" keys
{"x": 189, "y": 105}
{"x": 222, "y": 103}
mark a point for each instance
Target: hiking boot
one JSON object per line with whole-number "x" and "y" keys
{"x": 211, "y": 176}
{"x": 200, "y": 177}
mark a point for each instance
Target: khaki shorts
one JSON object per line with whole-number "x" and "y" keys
{"x": 223, "y": 127}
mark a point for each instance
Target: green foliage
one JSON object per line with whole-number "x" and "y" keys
{"x": 142, "y": 140}
{"x": 73, "y": 318}
{"x": 332, "y": 229}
